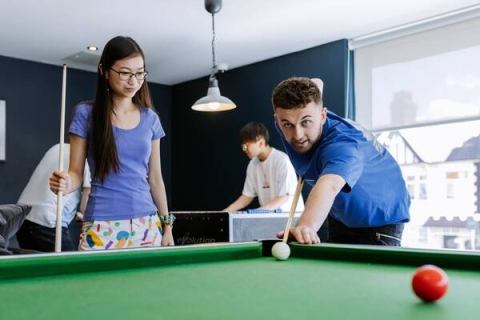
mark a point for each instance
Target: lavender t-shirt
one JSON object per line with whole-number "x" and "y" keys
{"x": 124, "y": 194}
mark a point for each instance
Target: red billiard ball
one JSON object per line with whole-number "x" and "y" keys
{"x": 430, "y": 283}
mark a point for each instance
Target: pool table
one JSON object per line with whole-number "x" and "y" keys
{"x": 236, "y": 281}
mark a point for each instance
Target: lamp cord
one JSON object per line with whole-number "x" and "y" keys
{"x": 214, "y": 63}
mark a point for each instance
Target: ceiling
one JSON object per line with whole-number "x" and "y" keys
{"x": 176, "y": 35}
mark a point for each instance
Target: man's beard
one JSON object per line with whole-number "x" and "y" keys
{"x": 312, "y": 145}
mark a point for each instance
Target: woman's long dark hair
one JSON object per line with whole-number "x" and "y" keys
{"x": 104, "y": 147}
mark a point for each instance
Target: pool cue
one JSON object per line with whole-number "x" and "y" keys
{"x": 296, "y": 196}
{"x": 58, "y": 227}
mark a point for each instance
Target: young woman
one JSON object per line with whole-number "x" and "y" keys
{"x": 119, "y": 135}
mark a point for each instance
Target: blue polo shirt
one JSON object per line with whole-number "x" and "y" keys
{"x": 124, "y": 194}
{"x": 375, "y": 193}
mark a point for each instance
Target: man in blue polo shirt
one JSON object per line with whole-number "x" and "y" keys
{"x": 356, "y": 183}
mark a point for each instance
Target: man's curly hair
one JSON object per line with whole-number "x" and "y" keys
{"x": 295, "y": 93}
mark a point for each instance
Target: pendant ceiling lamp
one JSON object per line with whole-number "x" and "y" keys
{"x": 213, "y": 101}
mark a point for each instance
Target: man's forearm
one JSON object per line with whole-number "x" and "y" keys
{"x": 320, "y": 201}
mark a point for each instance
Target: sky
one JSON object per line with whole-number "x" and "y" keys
{"x": 438, "y": 87}
{"x": 434, "y": 144}
{"x": 434, "y": 88}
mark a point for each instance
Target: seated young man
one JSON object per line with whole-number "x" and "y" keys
{"x": 270, "y": 174}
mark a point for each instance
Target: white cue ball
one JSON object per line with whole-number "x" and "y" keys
{"x": 281, "y": 251}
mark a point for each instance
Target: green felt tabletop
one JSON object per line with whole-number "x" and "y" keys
{"x": 233, "y": 282}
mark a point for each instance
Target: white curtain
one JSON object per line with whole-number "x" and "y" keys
{"x": 425, "y": 77}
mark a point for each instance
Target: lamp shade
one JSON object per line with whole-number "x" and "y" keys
{"x": 213, "y": 101}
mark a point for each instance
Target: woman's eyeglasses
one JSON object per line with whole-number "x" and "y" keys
{"x": 124, "y": 75}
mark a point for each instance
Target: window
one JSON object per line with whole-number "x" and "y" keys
{"x": 420, "y": 95}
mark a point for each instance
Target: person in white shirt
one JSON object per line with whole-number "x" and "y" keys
{"x": 270, "y": 174}
{"x": 38, "y": 230}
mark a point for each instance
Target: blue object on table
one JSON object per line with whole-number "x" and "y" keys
{"x": 264, "y": 211}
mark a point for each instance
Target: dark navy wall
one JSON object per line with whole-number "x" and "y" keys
{"x": 32, "y": 92}
{"x": 209, "y": 166}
